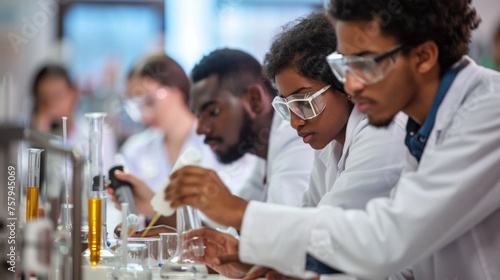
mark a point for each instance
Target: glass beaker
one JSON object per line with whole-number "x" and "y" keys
{"x": 181, "y": 266}
{"x": 135, "y": 267}
{"x": 152, "y": 254}
{"x": 168, "y": 246}
{"x": 33, "y": 184}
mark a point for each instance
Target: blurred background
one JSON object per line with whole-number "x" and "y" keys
{"x": 100, "y": 40}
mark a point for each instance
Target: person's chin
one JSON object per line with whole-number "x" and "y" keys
{"x": 153, "y": 125}
{"x": 222, "y": 157}
{"x": 379, "y": 122}
{"x": 317, "y": 145}
{"x": 227, "y": 157}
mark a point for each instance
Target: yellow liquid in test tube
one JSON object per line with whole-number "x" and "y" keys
{"x": 32, "y": 203}
{"x": 95, "y": 230}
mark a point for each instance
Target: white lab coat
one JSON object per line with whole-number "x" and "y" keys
{"x": 284, "y": 176}
{"x": 368, "y": 165}
{"x": 444, "y": 220}
{"x": 147, "y": 158}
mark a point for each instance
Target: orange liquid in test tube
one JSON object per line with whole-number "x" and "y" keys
{"x": 32, "y": 203}
{"x": 95, "y": 229}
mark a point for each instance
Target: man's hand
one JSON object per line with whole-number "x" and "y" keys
{"x": 218, "y": 245}
{"x": 257, "y": 272}
{"x": 203, "y": 189}
{"x": 142, "y": 193}
{"x": 268, "y": 273}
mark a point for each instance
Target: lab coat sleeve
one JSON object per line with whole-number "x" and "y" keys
{"x": 456, "y": 186}
{"x": 373, "y": 167}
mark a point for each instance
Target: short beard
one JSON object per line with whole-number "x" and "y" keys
{"x": 234, "y": 152}
{"x": 380, "y": 123}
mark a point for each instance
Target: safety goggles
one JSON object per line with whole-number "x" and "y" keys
{"x": 365, "y": 69}
{"x": 135, "y": 106}
{"x": 306, "y": 106}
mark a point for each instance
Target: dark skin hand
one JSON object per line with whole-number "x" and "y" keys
{"x": 217, "y": 245}
{"x": 221, "y": 254}
{"x": 269, "y": 274}
{"x": 201, "y": 188}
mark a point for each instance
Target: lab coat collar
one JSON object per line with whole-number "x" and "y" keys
{"x": 466, "y": 79}
{"x": 352, "y": 125}
{"x": 325, "y": 155}
{"x": 417, "y": 136}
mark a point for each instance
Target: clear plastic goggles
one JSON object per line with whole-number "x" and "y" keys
{"x": 306, "y": 106}
{"x": 365, "y": 69}
{"x": 136, "y": 105}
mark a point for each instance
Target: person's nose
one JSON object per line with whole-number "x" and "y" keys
{"x": 204, "y": 126}
{"x": 296, "y": 121}
{"x": 352, "y": 85}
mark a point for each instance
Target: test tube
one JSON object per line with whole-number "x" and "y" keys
{"x": 33, "y": 184}
{"x": 95, "y": 198}
{"x": 124, "y": 233}
{"x": 66, "y": 209}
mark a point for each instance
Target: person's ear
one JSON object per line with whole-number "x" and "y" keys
{"x": 426, "y": 57}
{"x": 255, "y": 97}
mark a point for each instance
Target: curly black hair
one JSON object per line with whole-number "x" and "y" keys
{"x": 165, "y": 71}
{"x": 303, "y": 45}
{"x": 448, "y": 23}
{"x": 235, "y": 70}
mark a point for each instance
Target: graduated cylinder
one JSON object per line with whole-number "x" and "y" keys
{"x": 95, "y": 196}
{"x": 33, "y": 184}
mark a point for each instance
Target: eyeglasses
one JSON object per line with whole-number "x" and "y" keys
{"x": 135, "y": 106}
{"x": 367, "y": 70}
{"x": 306, "y": 106}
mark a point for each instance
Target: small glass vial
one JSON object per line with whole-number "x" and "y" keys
{"x": 134, "y": 268}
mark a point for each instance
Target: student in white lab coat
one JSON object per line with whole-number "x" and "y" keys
{"x": 354, "y": 162}
{"x": 159, "y": 88}
{"x": 232, "y": 101}
{"x": 158, "y": 92}
{"x": 55, "y": 95}
{"x": 444, "y": 218}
